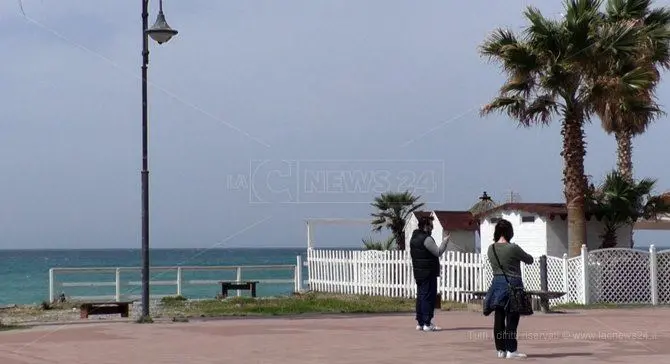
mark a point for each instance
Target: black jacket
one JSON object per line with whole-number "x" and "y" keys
{"x": 424, "y": 264}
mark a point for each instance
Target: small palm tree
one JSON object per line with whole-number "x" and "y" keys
{"x": 371, "y": 244}
{"x": 393, "y": 209}
{"x": 620, "y": 202}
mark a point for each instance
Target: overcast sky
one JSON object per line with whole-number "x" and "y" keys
{"x": 258, "y": 109}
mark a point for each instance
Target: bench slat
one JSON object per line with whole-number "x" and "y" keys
{"x": 104, "y": 308}
{"x": 238, "y": 285}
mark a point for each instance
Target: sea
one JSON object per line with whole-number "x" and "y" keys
{"x": 25, "y": 273}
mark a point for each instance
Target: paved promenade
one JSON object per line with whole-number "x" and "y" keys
{"x": 617, "y": 336}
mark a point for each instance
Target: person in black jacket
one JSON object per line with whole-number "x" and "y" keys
{"x": 426, "y": 266}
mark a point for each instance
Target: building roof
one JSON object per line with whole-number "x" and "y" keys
{"x": 485, "y": 203}
{"x": 550, "y": 210}
{"x": 457, "y": 220}
{"x": 419, "y": 214}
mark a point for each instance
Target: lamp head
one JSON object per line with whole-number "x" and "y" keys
{"x": 161, "y": 31}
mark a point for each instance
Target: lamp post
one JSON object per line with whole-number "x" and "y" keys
{"x": 161, "y": 33}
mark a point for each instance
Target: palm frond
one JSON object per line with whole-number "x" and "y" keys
{"x": 392, "y": 211}
{"x": 372, "y": 244}
{"x": 495, "y": 44}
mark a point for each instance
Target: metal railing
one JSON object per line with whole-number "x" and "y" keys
{"x": 56, "y": 281}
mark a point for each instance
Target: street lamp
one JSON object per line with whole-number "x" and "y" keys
{"x": 161, "y": 33}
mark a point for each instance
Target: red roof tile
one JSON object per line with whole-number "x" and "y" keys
{"x": 457, "y": 220}
{"x": 419, "y": 214}
{"x": 550, "y": 210}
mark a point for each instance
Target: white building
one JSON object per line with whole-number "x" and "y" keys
{"x": 542, "y": 228}
{"x": 460, "y": 224}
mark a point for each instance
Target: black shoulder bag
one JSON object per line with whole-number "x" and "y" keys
{"x": 519, "y": 301}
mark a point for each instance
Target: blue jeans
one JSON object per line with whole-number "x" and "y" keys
{"x": 505, "y": 323}
{"x": 426, "y": 294}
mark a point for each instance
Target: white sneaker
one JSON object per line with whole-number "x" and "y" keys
{"x": 502, "y": 354}
{"x": 432, "y": 327}
{"x": 516, "y": 354}
{"x": 419, "y": 327}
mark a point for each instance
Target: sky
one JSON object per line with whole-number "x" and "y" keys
{"x": 262, "y": 114}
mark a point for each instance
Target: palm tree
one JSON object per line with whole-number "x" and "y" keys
{"x": 625, "y": 112}
{"x": 620, "y": 202}
{"x": 393, "y": 209}
{"x": 552, "y": 71}
{"x": 387, "y": 244}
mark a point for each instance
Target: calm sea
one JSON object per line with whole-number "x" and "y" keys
{"x": 25, "y": 273}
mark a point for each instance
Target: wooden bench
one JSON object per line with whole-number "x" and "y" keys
{"x": 540, "y": 298}
{"x": 242, "y": 285}
{"x": 105, "y": 308}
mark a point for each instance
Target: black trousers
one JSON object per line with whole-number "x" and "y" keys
{"x": 426, "y": 294}
{"x": 504, "y": 329}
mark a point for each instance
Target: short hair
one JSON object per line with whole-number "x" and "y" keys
{"x": 425, "y": 221}
{"x": 503, "y": 229}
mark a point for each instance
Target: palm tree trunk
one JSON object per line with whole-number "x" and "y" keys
{"x": 624, "y": 144}
{"x": 609, "y": 238}
{"x": 574, "y": 180}
{"x": 400, "y": 241}
{"x": 624, "y": 149}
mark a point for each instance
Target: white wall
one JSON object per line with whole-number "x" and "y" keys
{"x": 438, "y": 231}
{"x": 531, "y": 236}
{"x": 462, "y": 241}
{"x": 595, "y": 228}
{"x": 557, "y": 236}
{"x": 411, "y": 225}
{"x": 485, "y": 235}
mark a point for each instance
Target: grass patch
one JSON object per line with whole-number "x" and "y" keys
{"x": 4, "y": 327}
{"x": 310, "y": 303}
{"x": 172, "y": 300}
{"x": 144, "y": 320}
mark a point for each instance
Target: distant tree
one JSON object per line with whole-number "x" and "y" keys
{"x": 620, "y": 202}
{"x": 393, "y": 209}
{"x": 371, "y": 244}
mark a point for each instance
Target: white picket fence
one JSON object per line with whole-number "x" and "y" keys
{"x": 617, "y": 275}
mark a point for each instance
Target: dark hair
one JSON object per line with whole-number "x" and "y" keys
{"x": 503, "y": 229}
{"x": 425, "y": 221}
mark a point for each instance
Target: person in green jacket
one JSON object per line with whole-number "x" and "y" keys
{"x": 505, "y": 258}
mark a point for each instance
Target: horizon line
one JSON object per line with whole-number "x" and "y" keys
{"x": 190, "y": 248}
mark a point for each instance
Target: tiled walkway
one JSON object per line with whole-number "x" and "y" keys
{"x": 619, "y": 336}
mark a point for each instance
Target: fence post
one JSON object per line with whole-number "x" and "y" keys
{"x": 298, "y": 273}
{"x": 179, "y": 281}
{"x": 566, "y": 287}
{"x": 310, "y": 271}
{"x": 544, "y": 282}
{"x": 52, "y": 285}
{"x": 356, "y": 261}
{"x": 585, "y": 276}
{"x": 117, "y": 295}
{"x": 239, "y": 279}
{"x": 653, "y": 273}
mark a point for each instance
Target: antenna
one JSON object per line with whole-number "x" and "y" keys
{"x": 513, "y": 197}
